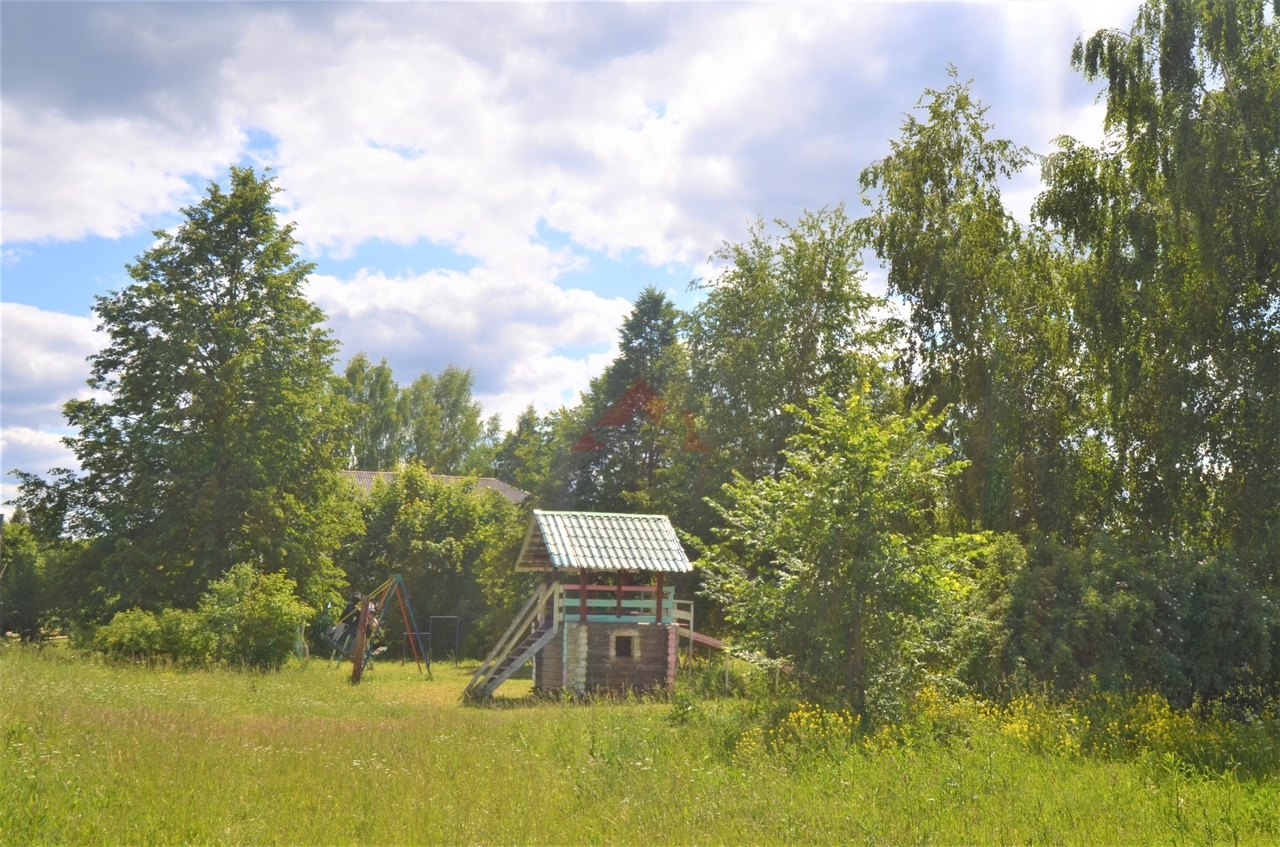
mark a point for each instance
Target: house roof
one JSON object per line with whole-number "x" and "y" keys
{"x": 594, "y": 541}
{"x": 364, "y": 481}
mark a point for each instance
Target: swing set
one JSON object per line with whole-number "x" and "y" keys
{"x": 354, "y": 640}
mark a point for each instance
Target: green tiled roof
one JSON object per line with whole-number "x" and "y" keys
{"x": 594, "y": 541}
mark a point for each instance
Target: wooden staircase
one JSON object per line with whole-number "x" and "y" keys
{"x": 526, "y": 635}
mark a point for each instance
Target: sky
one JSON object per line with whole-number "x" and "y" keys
{"x": 483, "y": 184}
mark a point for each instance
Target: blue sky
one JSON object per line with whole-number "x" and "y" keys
{"x": 482, "y": 184}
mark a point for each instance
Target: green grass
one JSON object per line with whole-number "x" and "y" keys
{"x": 92, "y": 753}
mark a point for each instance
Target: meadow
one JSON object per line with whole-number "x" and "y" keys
{"x": 94, "y": 753}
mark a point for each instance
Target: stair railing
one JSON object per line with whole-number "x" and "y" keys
{"x": 513, "y": 636}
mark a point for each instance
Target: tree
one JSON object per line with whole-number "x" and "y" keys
{"x": 1175, "y": 221}
{"x": 441, "y": 536}
{"x": 216, "y": 440}
{"x": 785, "y": 322}
{"x": 444, "y": 424}
{"x": 989, "y": 331}
{"x": 376, "y": 422}
{"x": 521, "y": 458}
{"x": 829, "y": 564}
{"x": 639, "y": 412}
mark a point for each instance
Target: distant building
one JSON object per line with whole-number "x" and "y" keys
{"x": 364, "y": 481}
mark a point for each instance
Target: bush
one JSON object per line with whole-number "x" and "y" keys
{"x": 132, "y": 635}
{"x": 246, "y": 618}
{"x": 252, "y": 618}
{"x": 183, "y": 636}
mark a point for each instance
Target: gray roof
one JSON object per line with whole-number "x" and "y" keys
{"x": 595, "y": 541}
{"x": 364, "y": 480}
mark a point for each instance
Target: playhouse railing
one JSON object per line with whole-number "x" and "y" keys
{"x": 684, "y": 616}
{"x": 616, "y": 604}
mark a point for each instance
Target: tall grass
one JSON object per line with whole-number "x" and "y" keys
{"x": 92, "y": 753}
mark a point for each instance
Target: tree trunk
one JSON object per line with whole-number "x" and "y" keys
{"x": 857, "y": 656}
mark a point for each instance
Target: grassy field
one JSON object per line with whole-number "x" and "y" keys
{"x": 95, "y": 754}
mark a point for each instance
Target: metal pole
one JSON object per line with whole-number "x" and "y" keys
{"x": 413, "y": 619}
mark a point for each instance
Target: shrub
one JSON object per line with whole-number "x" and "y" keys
{"x": 252, "y": 618}
{"x": 183, "y": 636}
{"x": 246, "y": 618}
{"x": 133, "y": 635}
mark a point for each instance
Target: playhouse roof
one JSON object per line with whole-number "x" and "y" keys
{"x": 595, "y": 541}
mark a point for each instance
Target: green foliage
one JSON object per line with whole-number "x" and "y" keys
{"x": 176, "y": 636}
{"x": 444, "y": 428}
{"x": 215, "y": 444}
{"x": 247, "y": 619}
{"x": 22, "y": 581}
{"x": 434, "y": 421}
{"x": 989, "y": 333}
{"x": 253, "y": 619}
{"x": 185, "y": 637}
{"x": 133, "y": 634}
{"x": 1190, "y": 626}
{"x": 785, "y": 322}
{"x": 449, "y": 541}
{"x": 524, "y": 457}
{"x": 376, "y": 428}
{"x": 831, "y": 564}
{"x": 1173, "y": 222}
{"x": 636, "y": 447}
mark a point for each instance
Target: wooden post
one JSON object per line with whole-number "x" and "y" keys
{"x": 557, "y": 600}
{"x": 582, "y": 597}
{"x": 357, "y": 659}
{"x": 658, "y": 600}
{"x": 622, "y": 578}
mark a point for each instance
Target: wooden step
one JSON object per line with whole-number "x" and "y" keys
{"x": 527, "y": 649}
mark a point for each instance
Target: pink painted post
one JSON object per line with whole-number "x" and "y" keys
{"x": 658, "y": 600}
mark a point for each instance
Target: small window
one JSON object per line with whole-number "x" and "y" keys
{"x": 622, "y": 646}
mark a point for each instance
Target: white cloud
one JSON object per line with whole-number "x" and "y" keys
{"x": 66, "y": 178}
{"x": 42, "y": 365}
{"x": 655, "y": 131}
{"x": 31, "y": 450}
{"x": 510, "y": 326}
{"x": 42, "y": 361}
{"x": 468, "y": 126}
{"x": 396, "y": 133}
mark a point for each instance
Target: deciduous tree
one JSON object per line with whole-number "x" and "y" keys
{"x": 376, "y": 424}
{"x": 213, "y": 440}
{"x": 785, "y": 322}
{"x": 1175, "y": 219}
{"x": 828, "y": 564}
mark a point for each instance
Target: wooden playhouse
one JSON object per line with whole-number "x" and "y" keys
{"x": 584, "y": 636}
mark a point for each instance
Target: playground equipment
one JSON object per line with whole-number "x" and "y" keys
{"x": 353, "y": 639}
{"x": 430, "y": 633}
{"x": 582, "y": 636}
